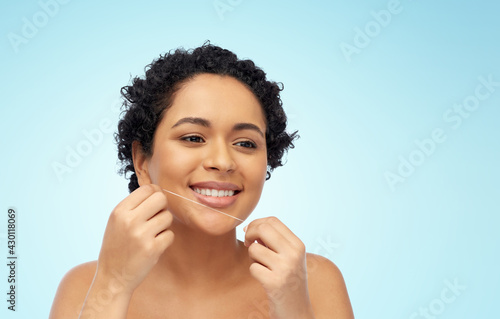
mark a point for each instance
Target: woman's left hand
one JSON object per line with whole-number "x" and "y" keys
{"x": 279, "y": 264}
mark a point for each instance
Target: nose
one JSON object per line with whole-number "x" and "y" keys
{"x": 219, "y": 157}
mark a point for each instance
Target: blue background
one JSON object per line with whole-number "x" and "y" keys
{"x": 359, "y": 114}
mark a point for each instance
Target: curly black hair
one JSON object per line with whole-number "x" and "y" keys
{"x": 146, "y": 100}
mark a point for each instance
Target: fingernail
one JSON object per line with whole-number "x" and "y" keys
{"x": 245, "y": 228}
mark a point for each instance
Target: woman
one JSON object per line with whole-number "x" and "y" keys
{"x": 198, "y": 137}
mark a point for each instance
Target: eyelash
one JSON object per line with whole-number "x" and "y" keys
{"x": 252, "y": 144}
{"x": 190, "y": 138}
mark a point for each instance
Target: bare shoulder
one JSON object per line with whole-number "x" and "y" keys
{"x": 72, "y": 291}
{"x": 327, "y": 289}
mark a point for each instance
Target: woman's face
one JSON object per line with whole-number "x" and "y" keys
{"x": 210, "y": 147}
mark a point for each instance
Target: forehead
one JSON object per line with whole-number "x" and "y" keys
{"x": 216, "y": 97}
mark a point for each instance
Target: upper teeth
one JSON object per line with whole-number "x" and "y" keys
{"x": 214, "y": 192}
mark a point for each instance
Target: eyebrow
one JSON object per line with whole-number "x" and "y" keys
{"x": 193, "y": 120}
{"x": 206, "y": 123}
{"x": 247, "y": 126}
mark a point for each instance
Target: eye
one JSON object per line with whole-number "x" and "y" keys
{"x": 247, "y": 144}
{"x": 193, "y": 139}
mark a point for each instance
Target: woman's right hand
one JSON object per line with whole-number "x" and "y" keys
{"x": 136, "y": 235}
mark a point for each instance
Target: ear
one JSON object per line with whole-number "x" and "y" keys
{"x": 141, "y": 162}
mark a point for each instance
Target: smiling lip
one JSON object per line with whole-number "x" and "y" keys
{"x": 212, "y": 201}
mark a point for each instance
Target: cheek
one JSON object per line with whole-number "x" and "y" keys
{"x": 255, "y": 176}
{"x": 171, "y": 165}
{"x": 256, "y": 170}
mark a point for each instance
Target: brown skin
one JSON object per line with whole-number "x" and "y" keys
{"x": 164, "y": 257}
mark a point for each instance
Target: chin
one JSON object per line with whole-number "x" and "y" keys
{"x": 207, "y": 221}
{"x": 220, "y": 225}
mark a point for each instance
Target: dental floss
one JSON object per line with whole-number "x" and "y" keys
{"x": 218, "y": 211}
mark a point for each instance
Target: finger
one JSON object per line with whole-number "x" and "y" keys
{"x": 137, "y": 197}
{"x": 294, "y": 241}
{"x": 159, "y": 223}
{"x": 267, "y": 234}
{"x": 164, "y": 239}
{"x": 263, "y": 255}
{"x": 151, "y": 206}
{"x": 282, "y": 229}
{"x": 260, "y": 272}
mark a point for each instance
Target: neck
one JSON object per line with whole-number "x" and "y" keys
{"x": 196, "y": 257}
